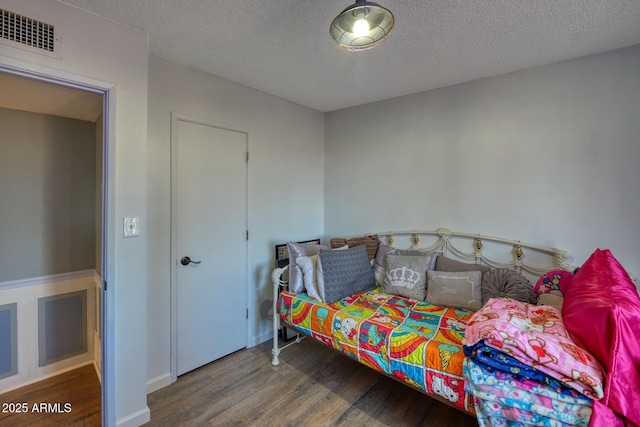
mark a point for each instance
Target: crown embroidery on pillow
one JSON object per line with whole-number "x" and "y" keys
{"x": 403, "y": 277}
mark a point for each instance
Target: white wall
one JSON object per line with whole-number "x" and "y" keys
{"x": 547, "y": 155}
{"x": 286, "y": 199}
{"x": 104, "y": 54}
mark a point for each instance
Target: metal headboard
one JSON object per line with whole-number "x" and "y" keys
{"x": 448, "y": 242}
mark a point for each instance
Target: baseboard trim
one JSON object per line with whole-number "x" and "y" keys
{"x": 158, "y": 382}
{"x": 259, "y": 339}
{"x": 135, "y": 419}
{"x": 98, "y": 371}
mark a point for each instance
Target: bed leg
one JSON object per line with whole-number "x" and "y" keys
{"x": 275, "y": 351}
{"x": 275, "y": 278}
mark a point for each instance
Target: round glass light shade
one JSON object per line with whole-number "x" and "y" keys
{"x": 351, "y": 36}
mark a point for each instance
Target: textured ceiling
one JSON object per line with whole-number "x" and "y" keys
{"x": 283, "y": 47}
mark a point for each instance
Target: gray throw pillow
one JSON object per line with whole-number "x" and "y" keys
{"x": 406, "y": 275}
{"x": 455, "y": 289}
{"x": 507, "y": 283}
{"x": 378, "y": 264}
{"x": 433, "y": 255}
{"x": 379, "y": 261}
{"x": 343, "y": 273}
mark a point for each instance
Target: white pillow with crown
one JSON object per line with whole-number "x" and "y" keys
{"x": 406, "y": 275}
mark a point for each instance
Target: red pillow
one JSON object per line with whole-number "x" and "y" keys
{"x": 601, "y": 311}
{"x": 554, "y": 280}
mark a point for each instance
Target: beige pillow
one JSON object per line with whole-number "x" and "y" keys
{"x": 447, "y": 264}
{"x": 553, "y": 298}
{"x": 455, "y": 289}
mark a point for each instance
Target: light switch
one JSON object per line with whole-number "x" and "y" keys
{"x": 131, "y": 226}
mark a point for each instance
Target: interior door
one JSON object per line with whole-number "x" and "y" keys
{"x": 210, "y": 206}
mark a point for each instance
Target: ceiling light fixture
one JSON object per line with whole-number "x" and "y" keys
{"x": 362, "y": 26}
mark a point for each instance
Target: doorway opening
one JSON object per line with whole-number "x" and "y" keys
{"x": 53, "y": 245}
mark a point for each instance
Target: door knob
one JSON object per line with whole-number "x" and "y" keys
{"x": 186, "y": 261}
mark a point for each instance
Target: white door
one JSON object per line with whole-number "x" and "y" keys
{"x": 210, "y": 227}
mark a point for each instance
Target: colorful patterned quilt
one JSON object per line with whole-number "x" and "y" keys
{"x": 419, "y": 343}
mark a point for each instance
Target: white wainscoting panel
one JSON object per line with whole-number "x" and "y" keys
{"x": 26, "y": 294}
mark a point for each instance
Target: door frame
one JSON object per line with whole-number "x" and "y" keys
{"x": 107, "y": 300}
{"x": 173, "y": 263}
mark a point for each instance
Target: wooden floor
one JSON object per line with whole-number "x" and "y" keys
{"x": 69, "y": 399}
{"x": 313, "y": 386}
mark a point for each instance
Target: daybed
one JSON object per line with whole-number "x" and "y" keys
{"x": 470, "y": 334}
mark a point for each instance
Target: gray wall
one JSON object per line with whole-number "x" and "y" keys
{"x": 547, "y": 155}
{"x": 47, "y": 193}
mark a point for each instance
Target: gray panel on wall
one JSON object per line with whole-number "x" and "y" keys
{"x": 62, "y": 326}
{"x": 8, "y": 340}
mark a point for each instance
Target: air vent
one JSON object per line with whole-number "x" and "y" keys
{"x": 27, "y": 33}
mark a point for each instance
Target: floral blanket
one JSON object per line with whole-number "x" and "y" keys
{"x": 536, "y": 336}
{"x": 491, "y": 360}
{"x": 503, "y": 400}
{"x": 417, "y": 342}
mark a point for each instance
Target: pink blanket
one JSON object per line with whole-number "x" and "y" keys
{"x": 536, "y": 336}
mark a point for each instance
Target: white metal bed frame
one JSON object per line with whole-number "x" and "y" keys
{"x": 444, "y": 244}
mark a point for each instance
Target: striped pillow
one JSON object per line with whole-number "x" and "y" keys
{"x": 370, "y": 242}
